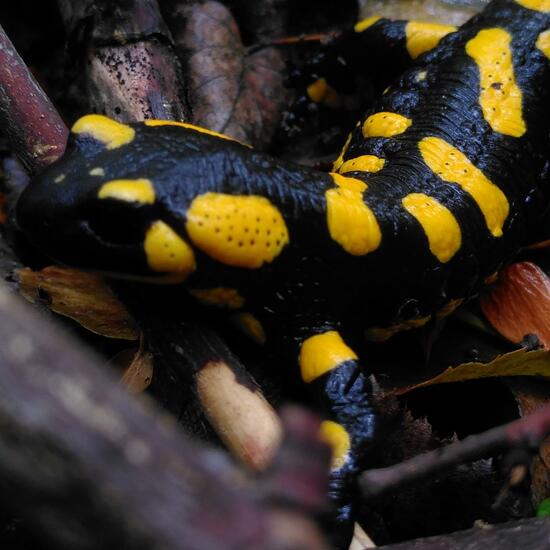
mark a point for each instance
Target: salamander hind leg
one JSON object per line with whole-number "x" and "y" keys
{"x": 332, "y": 371}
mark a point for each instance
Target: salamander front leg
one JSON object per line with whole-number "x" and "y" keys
{"x": 332, "y": 370}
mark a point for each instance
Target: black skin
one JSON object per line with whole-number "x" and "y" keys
{"x": 314, "y": 285}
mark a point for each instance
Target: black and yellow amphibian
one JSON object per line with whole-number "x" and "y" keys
{"x": 437, "y": 187}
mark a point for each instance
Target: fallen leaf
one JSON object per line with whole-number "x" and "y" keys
{"x": 518, "y": 304}
{"x": 233, "y": 90}
{"x": 81, "y": 296}
{"x": 138, "y": 374}
{"x": 516, "y": 363}
{"x": 532, "y": 395}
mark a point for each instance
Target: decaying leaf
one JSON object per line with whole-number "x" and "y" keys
{"x": 532, "y": 395}
{"x": 516, "y": 363}
{"x": 235, "y": 91}
{"x": 81, "y": 296}
{"x": 519, "y": 303}
{"x": 138, "y": 373}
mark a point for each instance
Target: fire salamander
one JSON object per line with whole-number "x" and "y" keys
{"x": 437, "y": 186}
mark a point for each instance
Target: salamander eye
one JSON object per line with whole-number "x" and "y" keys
{"x": 117, "y": 223}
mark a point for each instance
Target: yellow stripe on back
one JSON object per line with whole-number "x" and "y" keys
{"x": 339, "y": 440}
{"x": 351, "y": 223}
{"x": 385, "y": 124}
{"x": 153, "y": 123}
{"x": 111, "y": 133}
{"x": 543, "y": 43}
{"x": 423, "y": 37}
{"x": 321, "y": 91}
{"x": 364, "y": 163}
{"x": 453, "y": 166}
{"x": 439, "y": 224}
{"x": 537, "y": 5}
{"x": 500, "y": 97}
{"x": 138, "y": 190}
{"x": 340, "y": 160}
{"x": 364, "y": 24}
{"x": 322, "y": 353}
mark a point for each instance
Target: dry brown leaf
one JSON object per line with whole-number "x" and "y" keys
{"x": 519, "y": 303}
{"x": 516, "y": 363}
{"x": 138, "y": 374}
{"x": 532, "y": 395}
{"x": 81, "y": 296}
{"x": 233, "y": 90}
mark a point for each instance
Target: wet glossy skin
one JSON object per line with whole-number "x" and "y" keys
{"x": 437, "y": 187}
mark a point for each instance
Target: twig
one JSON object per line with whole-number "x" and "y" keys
{"x": 527, "y": 534}
{"x": 33, "y": 126}
{"x": 131, "y": 68}
{"x": 529, "y": 432}
{"x": 91, "y": 467}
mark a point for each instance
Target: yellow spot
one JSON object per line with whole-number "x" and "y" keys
{"x": 537, "y": 5}
{"x": 451, "y": 165}
{"x": 166, "y": 251}
{"x": 352, "y": 184}
{"x": 219, "y": 296}
{"x": 59, "y": 178}
{"x": 111, "y": 133}
{"x": 250, "y": 326}
{"x": 448, "y": 308}
{"x": 154, "y": 123}
{"x": 97, "y": 172}
{"x": 385, "y": 124}
{"x": 351, "y": 223}
{"x": 321, "y": 92}
{"x": 338, "y": 438}
{"x": 242, "y": 231}
{"x": 543, "y": 43}
{"x": 500, "y": 97}
{"x": 364, "y": 24}
{"x": 378, "y": 334}
{"x": 139, "y": 190}
{"x": 340, "y": 160}
{"x": 423, "y": 37}
{"x": 364, "y": 163}
{"x": 421, "y": 75}
{"x": 437, "y": 221}
{"x": 322, "y": 353}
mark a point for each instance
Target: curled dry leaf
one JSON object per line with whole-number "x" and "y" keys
{"x": 519, "y": 303}
{"x": 516, "y": 363}
{"x": 137, "y": 369}
{"x": 81, "y": 296}
{"x": 233, "y": 90}
{"x": 532, "y": 395}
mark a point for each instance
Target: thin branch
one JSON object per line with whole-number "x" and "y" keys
{"x": 36, "y": 131}
{"x": 529, "y": 432}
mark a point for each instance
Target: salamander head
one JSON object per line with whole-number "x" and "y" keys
{"x": 149, "y": 200}
{"x": 98, "y": 207}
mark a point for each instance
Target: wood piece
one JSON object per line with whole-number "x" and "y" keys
{"x": 190, "y": 353}
{"x": 527, "y": 534}
{"x": 34, "y": 128}
{"x": 93, "y": 468}
{"x": 132, "y": 71}
{"x": 527, "y": 432}
{"x": 239, "y": 413}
